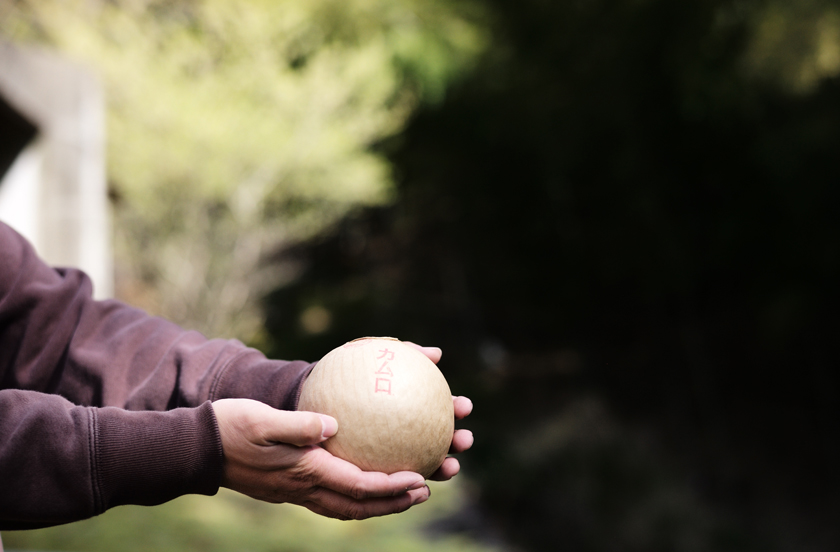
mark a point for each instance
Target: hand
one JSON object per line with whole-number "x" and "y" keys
{"x": 463, "y": 438}
{"x": 271, "y": 455}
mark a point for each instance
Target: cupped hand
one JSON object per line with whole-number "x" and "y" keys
{"x": 272, "y": 455}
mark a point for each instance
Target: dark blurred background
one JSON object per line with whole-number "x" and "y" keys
{"x": 624, "y": 236}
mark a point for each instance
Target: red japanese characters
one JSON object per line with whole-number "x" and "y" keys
{"x": 393, "y": 405}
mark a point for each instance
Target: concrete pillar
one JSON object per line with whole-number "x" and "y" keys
{"x": 55, "y": 191}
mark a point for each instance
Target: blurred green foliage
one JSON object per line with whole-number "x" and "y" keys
{"x": 231, "y": 522}
{"x": 236, "y": 127}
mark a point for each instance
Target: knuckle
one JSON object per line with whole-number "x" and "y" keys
{"x": 312, "y": 428}
{"x": 356, "y": 511}
{"x": 262, "y": 431}
{"x": 309, "y": 466}
{"x": 358, "y": 491}
{"x": 402, "y": 506}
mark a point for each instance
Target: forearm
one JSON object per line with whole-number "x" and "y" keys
{"x": 60, "y": 462}
{"x": 66, "y": 361}
{"x": 54, "y": 338}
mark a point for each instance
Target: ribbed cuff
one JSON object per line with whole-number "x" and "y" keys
{"x": 276, "y": 383}
{"x": 147, "y": 458}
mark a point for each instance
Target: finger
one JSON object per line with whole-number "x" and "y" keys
{"x": 433, "y": 353}
{"x": 333, "y": 504}
{"x": 463, "y": 407}
{"x": 343, "y": 477}
{"x": 447, "y": 470}
{"x": 461, "y": 441}
{"x": 296, "y": 428}
{"x": 320, "y": 510}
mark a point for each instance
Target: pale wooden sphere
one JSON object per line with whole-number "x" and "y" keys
{"x": 393, "y": 405}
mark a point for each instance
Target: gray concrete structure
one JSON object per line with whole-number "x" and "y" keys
{"x": 54, "y": 192}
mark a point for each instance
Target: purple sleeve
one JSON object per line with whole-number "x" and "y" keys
{"x": 101, "y": 404}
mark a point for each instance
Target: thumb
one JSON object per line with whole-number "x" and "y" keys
{"x": 299, "y": 428}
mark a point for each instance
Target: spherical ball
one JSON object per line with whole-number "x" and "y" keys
{"x": 393, "y": 405}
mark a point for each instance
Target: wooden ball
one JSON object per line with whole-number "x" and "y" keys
{"x": 393, "y": 405}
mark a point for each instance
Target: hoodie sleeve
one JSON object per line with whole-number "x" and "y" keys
{"x": 102, "y": 404}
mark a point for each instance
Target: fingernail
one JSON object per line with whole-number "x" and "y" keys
{"x": 432, "y": 350}
{"x": 419, "y": 484}
{"x": 329, "y": 426}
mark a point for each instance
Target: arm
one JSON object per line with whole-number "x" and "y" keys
{"x": 61, "y": 462}
{"x": 54, "y": 338}
{"x": 66, "y": 360}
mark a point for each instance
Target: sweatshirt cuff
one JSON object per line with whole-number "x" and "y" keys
{"x": 277, "y": 383}
{"x": 148, "y": 458}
